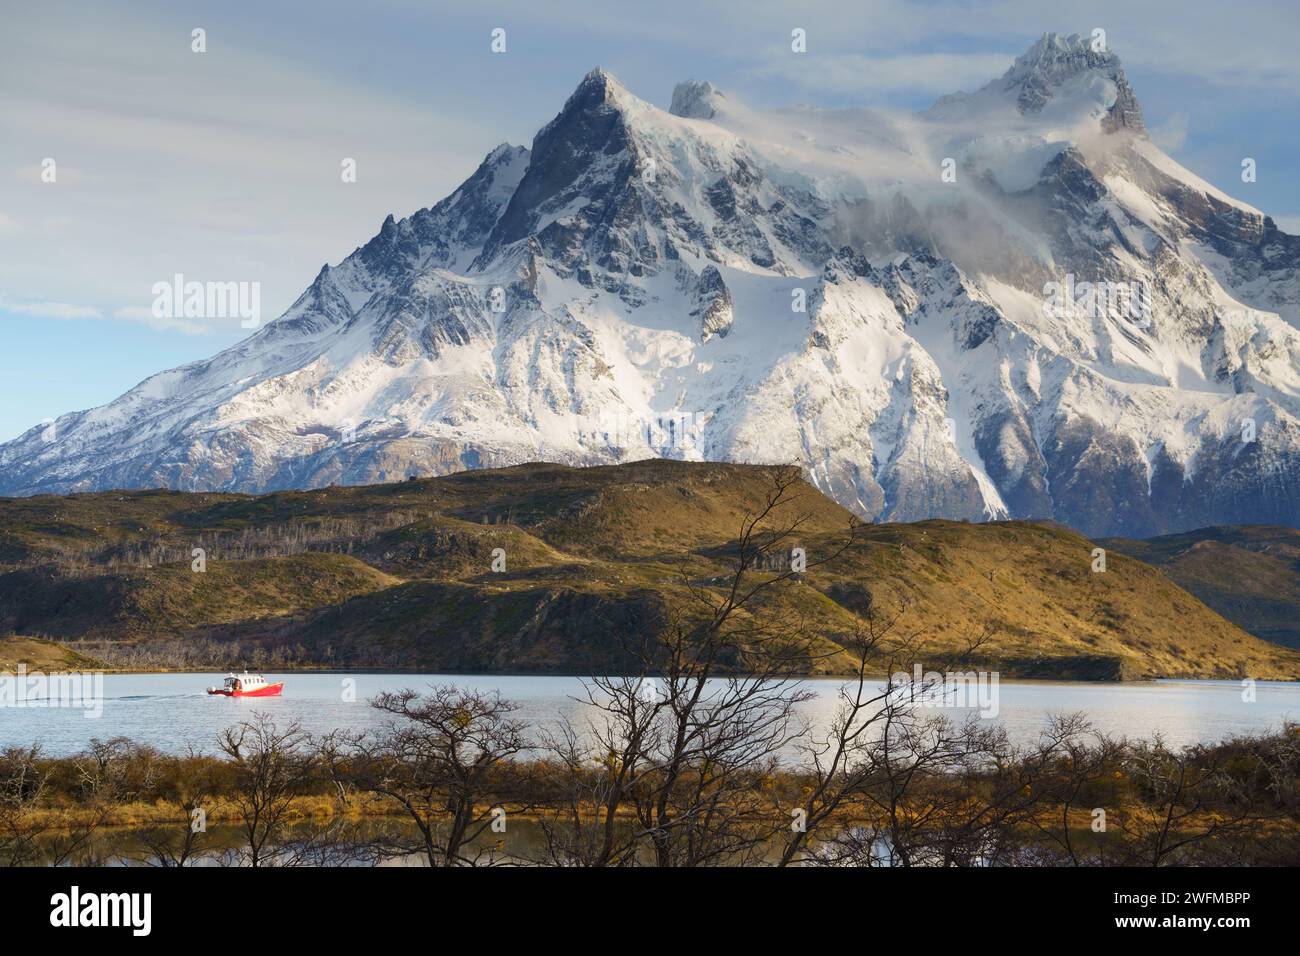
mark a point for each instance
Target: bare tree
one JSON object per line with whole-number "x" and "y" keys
{"x": 1079, "y": 765}
{"x": 1186, "y": 799}
{"x": 442, "y": 761}
{"x": 272, "y": 767}
{"x": 189, "y": 779}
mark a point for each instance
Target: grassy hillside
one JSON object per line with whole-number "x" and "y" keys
{"x": 595, "y": 560}
{"x": 1250, "y": 574}
{"x": 39, "y": 655}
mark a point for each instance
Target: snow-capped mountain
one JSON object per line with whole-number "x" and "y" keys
{"x": 1011, "y": 304}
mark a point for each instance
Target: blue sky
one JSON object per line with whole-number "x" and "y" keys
{"x": 225, "y": 165}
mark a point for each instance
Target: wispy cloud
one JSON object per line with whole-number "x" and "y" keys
{"x": 50, "y": 310}
{"x": 162, "y": 323}
{"x": 873, "y": 76}
{"x": 67, "y": 311}
{"x": 1172, "y": 133}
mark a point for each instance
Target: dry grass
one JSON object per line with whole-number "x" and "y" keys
{"x": 400, "y": 576}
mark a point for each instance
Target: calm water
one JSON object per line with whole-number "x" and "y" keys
{"x": 172, "y": 711}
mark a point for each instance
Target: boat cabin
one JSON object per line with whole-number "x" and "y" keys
{"x": 243, "y": 683}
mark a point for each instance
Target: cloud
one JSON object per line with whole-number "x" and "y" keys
{"x": 1171, "y": 134}
{"x": 65, "y": 311}
{"x": 50, "y": 310}
{"x": 135, "y": 313}
{"x": 873, "y": 76}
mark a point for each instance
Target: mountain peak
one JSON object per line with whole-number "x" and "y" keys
{"x": 695, "y": 100}
{"x": 503, "y": 152}
{"x": 1059, "y": 66}
{"x": 1052, "y": 42}
{"x": 1054, "y": 57}
{"x": 599, "y": 91}
{"x": 598, "y": 86}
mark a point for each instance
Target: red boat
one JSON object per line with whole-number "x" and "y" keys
{"x": 247, "y": 685}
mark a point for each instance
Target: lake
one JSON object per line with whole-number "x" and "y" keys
{"x": 172, "y": 711}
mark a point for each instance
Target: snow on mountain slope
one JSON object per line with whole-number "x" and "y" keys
{"x": 878, "y": 297}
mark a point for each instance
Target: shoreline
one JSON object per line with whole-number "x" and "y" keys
{"x": 45, "y": 655}
{"x": 586, "y": 675}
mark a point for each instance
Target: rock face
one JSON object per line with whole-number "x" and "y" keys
{"x": 712, "y": 301}
{"x": 693, "y": 100}
{"x": 1011, "y": 304}
{"x": 1057, "y": 64}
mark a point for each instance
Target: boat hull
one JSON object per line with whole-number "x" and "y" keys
{"x": 270, "y": 690}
